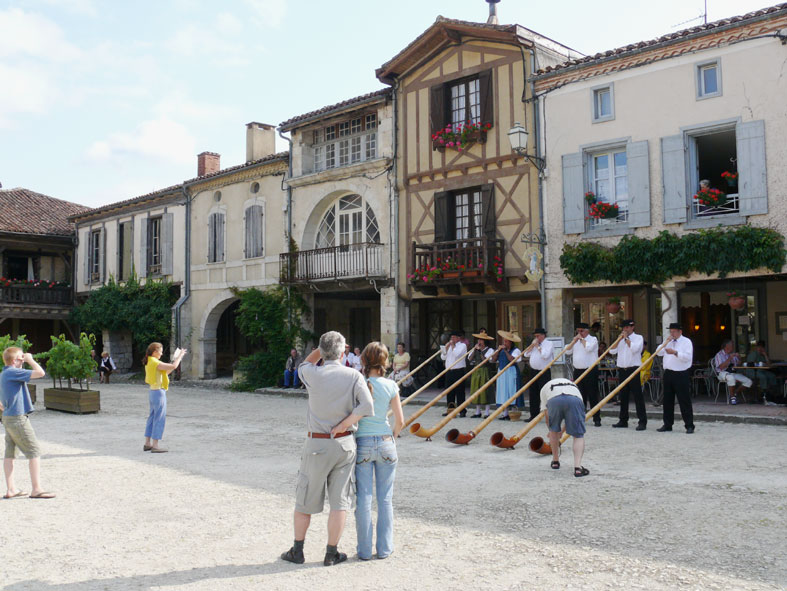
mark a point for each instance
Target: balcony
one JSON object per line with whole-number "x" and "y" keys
{"x": 473, "y": 264}
{"x": 335, "y": 263}
{"x": 20, "y": 301}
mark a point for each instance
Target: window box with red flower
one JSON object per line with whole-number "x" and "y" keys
{"x": 603, "y": 211}
{"x": 460, "y": 136}
{"x": 425, "y": 275}
{"x": 711, "y": 197}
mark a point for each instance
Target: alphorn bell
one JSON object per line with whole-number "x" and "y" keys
{"x": 453, "y": 436}
{"x": 445, "y": 392}
{"x": 417, "y": 368}
{"x": 419, "y": 431}
{"x": 537, "y": 444}
{"x": 503, "y": 442}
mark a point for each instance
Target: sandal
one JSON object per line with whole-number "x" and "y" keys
{"x": 293, "y": 555}
{"x": 555, "y": 465}
{"x": 581, "y": 471}
{"x": 335, "y": 558}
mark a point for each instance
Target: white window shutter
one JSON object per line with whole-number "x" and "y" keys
{"x": 573, "y": 194}
{"x": 143, "y": 248}
{"x": 212, "y": 238}
{"x": 673, "y": 175}
{"x": 86, "y": 253}
{"x": 220, "y": 238}
{"x": 752, "y": 180}
{"x": 167, "y": 239}
{"x": 638, "y": 164}
{"x": 102, "y": 256}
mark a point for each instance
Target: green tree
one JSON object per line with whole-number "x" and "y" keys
{"x": 70, "y": 361}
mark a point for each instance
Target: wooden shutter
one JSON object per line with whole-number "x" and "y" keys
{"x": 102, "y": 257}
{"x": 212, "y": 238}
{"x": 87, "y": 250}
{"x": 638, "y": 165}
{"x": 486, "y": 94}
{"x": 441, "y": 219}
{"x": 219, "y": 237}
{"x": 143, "y": 247}
{"x": 488, "y": 222}
{"x": 437, "y": 108}
{"x": 673, "y": 178}
{"x": 752, "y": 180}
{"x": 167, "y": 240}
{"x": 573, "y": 194}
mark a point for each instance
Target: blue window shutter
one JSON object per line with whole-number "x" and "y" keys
{"x": 220, "y": 238}
{"x": 573, "y": 194}
{"x": 638, "y": 164}
{"x": 167, "y": 239}
{"x": 752, "y": 180}
{"x": 102, "y": 256}
{"x": 143, "y": 248}
{"x": 87, "y": 256}
{"x": 212, "y": 238}
{"x": 673, "y": 178}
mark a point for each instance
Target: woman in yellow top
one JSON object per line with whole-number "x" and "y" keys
{"x": 157, "y": 377}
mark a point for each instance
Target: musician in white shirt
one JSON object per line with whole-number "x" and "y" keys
{"x": 584, "y": 349}
{"x": 540, "y": 353}
{"x": 629, "y": 352}
{"x": 677, "y": 354}
{"x": 455, "y": 350}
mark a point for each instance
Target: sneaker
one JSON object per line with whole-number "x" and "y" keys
{"x": 733, "y": 400}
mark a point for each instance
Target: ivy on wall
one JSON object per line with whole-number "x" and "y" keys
{"x": 712, "y": 252}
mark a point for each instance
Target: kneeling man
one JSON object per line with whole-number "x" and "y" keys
{"x": 562, "y": 401}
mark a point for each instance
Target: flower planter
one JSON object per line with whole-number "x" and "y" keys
{"x": 450, "y": 274}
{"x": 732, "y": 182}
{"x": 737, "y": 302}
{"x": 470, "y": 138}
{"x": 74, "y": 401}
{"x": 613, "y": 307}
{"x": 475, "y": 273}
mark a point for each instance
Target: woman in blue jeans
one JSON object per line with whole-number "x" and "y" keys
{"x": 376, "y": 460}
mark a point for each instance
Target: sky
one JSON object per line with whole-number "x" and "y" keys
{"x": 101, "y": 101}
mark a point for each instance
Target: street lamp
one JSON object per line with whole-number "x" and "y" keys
{"x": 517, "y": 135}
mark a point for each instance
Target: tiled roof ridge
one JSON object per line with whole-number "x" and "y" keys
{"x": 622, "y": 50}
{"x": 44, "y": 195}
{"x": 335, "y": 107}
{"x": 30, "y": 212}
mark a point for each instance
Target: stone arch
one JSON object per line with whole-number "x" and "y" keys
{"x": 207, "y": 331}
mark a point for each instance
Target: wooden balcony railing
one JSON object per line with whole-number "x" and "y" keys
{"x": 473, "y": 261}
{"x": 353, "y": 261}
{"x": 23, "y": 295}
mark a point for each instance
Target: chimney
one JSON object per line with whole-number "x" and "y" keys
{"x": 208, "y": 163}
{"x": 492, "y": 20}
{"x": 260, "y": 140}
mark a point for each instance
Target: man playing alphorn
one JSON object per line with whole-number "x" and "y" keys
{"x": 677, "y": 355}
{"x": 584, "y": 348}
{"x": 453, "y": 351}
{"x": 629, "y": 352}
{"x": 540, "y": 354}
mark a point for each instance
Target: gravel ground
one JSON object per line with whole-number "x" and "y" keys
{"x": 658, "y": 511}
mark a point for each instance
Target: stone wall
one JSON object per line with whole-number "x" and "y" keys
{"x": 118, "y": 345}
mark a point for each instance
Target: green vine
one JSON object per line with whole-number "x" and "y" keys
{"x": 712, "y": 252}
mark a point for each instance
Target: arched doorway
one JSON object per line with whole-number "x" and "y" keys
{"x": 209, "y": 332}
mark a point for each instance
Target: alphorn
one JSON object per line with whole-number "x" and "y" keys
{"x": 417, "y": 368}
{"x": 427, "y": 384}
{"x": 445, "y": 392}
{"x": 503, "y": 442}
{"x": 538, "y": 445}
{"x": 419, "y": 431}
{"x": 453, "y": 436}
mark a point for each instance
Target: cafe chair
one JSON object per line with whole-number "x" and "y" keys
{"x": 719, "y": 384}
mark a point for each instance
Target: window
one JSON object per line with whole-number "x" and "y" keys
{"x": 465, "y": 102}
{"x": 462, "y": 101}
{"x": 609, "y": 182}
{"x": 356, "y": 220}
{"x": 711, "y": 155}
{"x": 708, "y": 79}
{"x": 216, "y": 237}
{"x": 95, "y": 255}
{"x": 154, "y": 245}
{"x": 125, "y": 245}
{"x": 357, "y": 143}
{"x": 468, "y": 214}
{"x": 465, "y": 214}
{"x": 254, "y": 231}
{"x": 603, "y": 104}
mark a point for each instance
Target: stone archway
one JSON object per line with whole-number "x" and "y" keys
{"x": 207, "y": 332}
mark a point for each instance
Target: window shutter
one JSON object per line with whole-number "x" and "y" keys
{"x": 638, "y": 183}
{"x": 212, "y": 238}
{"x": 102, "y": 258}
{"x": 248, "y": 244}
{"x": 673, "y": 178}
{"x": 441, "y": 216}
{"x": 486, "y": 96}
{"x": 143, "y": 247}
{"x": 167, "y": 239}
{"x": 573, "y": 194}
{"x": 87, "y": 257}
{"x": 752, "y": 181}
{"x": 220, "y": 237}
{"x": 437, "y": 108}
{"x": 259, "y": 247}
{"x": 488, "y": 211}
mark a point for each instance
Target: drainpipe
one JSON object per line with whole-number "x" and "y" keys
{"x": 187, "y": 275}
{"x": 541, "y": 227}
{"x": 289, "y": 215}
{"x": 394, "y": 254}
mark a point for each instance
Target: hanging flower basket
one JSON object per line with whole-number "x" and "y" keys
{"x": 613, "y": 305}
{"x": 737, "y": 301}
{"x": 730, "y": 177}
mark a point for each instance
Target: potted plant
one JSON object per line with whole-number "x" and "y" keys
{"x": 21, "y": 342}
{"x": 590, "y": 197}
{"x": 424, "y": 274}
{"x": 613, "y": 305}
{"x": 460, "y": 136}
{"x": 603, "y": 211}
{"x": 710, "y": 197}
{"x": 71, "y": 363}
{"x": 730, "y": 177}
{"x": 737, "y": 300}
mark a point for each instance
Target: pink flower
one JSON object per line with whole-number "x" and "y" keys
{"x": 499, "y": 279}
{"x": 426, "y": 278}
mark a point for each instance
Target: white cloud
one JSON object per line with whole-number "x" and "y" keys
{"x": 178, "y": 104}
{"x": 270, "y": 13}
{"x": 84, "y": 7}
{"x": 26, "y": 90}
{"x": 24, "y": 34}
{"x": 158, "y": 139}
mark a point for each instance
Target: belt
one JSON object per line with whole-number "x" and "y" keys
{"x": 328, "y": 435}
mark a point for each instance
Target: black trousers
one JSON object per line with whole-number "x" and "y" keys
{"x": 589, "y": 389}
{"x": 633, "y": 387}
{"x": 535, "y": 393}
{"x": 677, "y": 383}
{"x": 457, "y": 395}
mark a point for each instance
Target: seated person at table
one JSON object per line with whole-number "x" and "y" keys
{"x": 766, "y": 379}
{"x": 724, "y": 362}
{"x": 291, "y": 370}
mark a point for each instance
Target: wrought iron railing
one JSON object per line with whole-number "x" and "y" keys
{"x": 458, "y": 259}
{"x": 621, "y": 218}
{"x": 732, "y": 205}
{"x": 353, "y": 261}
{"x": 18, "y": 294}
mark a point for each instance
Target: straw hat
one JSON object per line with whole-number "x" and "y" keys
{"x": 509, "y": 336}
{"x": 483, "y": 335}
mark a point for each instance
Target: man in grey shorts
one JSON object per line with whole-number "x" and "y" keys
{"x": 562, "y": 401}
{"x": 338, "y": 399}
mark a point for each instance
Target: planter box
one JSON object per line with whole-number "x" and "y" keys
{"x": 32, "y": 389}
{"x": 76, "y": 401}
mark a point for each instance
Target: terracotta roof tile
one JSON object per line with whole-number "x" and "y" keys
{"x": 28, "y": 212}
{"x": 290, "y": 123}
{"x": 590, "y": 59}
